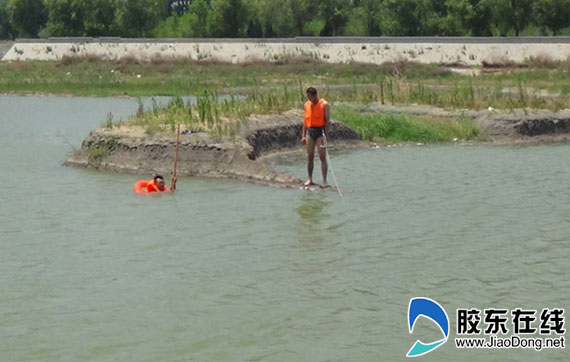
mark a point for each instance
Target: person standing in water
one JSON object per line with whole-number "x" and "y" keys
{"x": 315, "y": 131}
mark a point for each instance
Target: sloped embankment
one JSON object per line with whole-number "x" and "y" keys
{"x": 129, "y": 149}
{"x": 516, "y": 126}
{"x": 5, "y": 47}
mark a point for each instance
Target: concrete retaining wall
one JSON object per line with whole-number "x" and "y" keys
{"x": 468, "y": 51}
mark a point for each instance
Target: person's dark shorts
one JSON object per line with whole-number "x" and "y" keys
{"x": 316, "y": 132}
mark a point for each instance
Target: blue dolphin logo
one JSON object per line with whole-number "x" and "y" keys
{"x": 431, "y": 310}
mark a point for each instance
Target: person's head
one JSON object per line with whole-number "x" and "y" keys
{"x": 159, "y": 181}
{"x": 312, "y": 95}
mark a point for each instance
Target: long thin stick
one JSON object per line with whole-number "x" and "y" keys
{"x": 332, "y": 170}
{"x": 176, "y": 150}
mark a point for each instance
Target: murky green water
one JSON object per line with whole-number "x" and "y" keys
{"x": 229, "y": 271}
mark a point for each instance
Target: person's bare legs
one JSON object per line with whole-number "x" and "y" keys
{"x": 323, "y": 156}
{"x": 310, "y": 160}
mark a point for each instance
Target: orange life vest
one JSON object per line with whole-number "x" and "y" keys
{"x": 315, "y": 113}
{"x": 144, "y": 187}
{"x": 151, "y": 186}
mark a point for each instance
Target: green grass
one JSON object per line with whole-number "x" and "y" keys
{"x": 101, "y": 151}
{"x": 90, "y": 76}
{"x": 220, "y": 118}
{"x": 265, "y": 88}
{"x": 224, "y": 119}
{"x": 541, "y": 84}
{"x": 402, "y": 128}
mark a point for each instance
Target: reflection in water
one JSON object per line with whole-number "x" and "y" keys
{"x": 312, "y": 212}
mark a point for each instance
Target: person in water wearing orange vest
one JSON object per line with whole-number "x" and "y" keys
{"x": 154, "y": 185}
{"x": 315, "y": 131}
{"x": 160, "y": 186}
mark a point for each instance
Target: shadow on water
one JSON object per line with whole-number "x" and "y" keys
{"x": 312, "y": 212}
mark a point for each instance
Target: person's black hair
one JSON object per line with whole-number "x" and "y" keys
{"x": 312, "y": 91}
{"x": 156, "y": 177}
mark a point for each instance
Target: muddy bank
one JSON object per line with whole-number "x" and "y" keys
{"x": 129, "y": 149}
{"x": 528, "y": 127}
{"x": 517, "y": 126}
{"x": 247, "y": 155}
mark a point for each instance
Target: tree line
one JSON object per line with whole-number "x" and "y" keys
{"x": 283, "y": 18}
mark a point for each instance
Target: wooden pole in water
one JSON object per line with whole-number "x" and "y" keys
{"x": 176, "y": 152}
{"x": 330, "y": 165}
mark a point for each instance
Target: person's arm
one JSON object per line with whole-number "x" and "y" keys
{"x": 173, "y": 184}
{"x": 304, "y": 131}
{"x": 327, "y": 120}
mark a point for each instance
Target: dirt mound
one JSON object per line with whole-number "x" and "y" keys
{"x": 130, "y": 150}
{"x": 516, "y": 126}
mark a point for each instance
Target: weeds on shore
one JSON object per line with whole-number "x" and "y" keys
{"x": 101, "y": 151}
{"x": 403, "y": 128}
{"x": 225, "y": 117}
{"x": 108, "y": 122}
{"x": 91, "y": 76}
{"x": 541, "y": 83}
{"x": 220, "y": 116}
